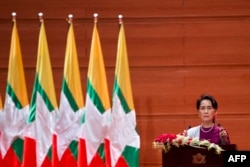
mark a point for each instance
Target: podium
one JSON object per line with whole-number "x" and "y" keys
{"x": 186, "y": 156}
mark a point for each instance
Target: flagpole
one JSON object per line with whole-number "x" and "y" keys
{"x": 13, "y": 16}
{"x": 120, "y": 19}
{"x": 40, "y": 15}
{"x": 95, "y": 17}
{"x": 70, "y": 18}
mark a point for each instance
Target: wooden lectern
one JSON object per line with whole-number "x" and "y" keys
{"x": 186, "y": 156}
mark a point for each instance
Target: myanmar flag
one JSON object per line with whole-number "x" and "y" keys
{"x": 43, "y": 107}
{"x": 1, "y": 104}
{"x": 97, "y": 107}
{"x": 66, "y": 134}
{"x": 16, "y": 106}
{"x": 1, "y": 111}
{"x": 124, "y": 139}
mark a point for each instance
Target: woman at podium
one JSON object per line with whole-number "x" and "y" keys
{"x": 207, "y": 108}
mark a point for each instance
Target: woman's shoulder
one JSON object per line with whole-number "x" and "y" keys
{"x": 194, "y": 131}
{"x": 194, "y": 128}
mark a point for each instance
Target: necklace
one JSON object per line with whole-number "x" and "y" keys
{"x": 206, "y": 131}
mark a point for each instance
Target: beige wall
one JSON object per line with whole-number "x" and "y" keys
{"x": 177, "y": 50}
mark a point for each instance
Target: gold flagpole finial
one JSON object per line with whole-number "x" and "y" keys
{"x": 40, "y": 15}
{"x": 95, "y": 17}
{"x": 120, "y": 18}
{"x": 13, "y": 16}
{"x": 70, "y": 18}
